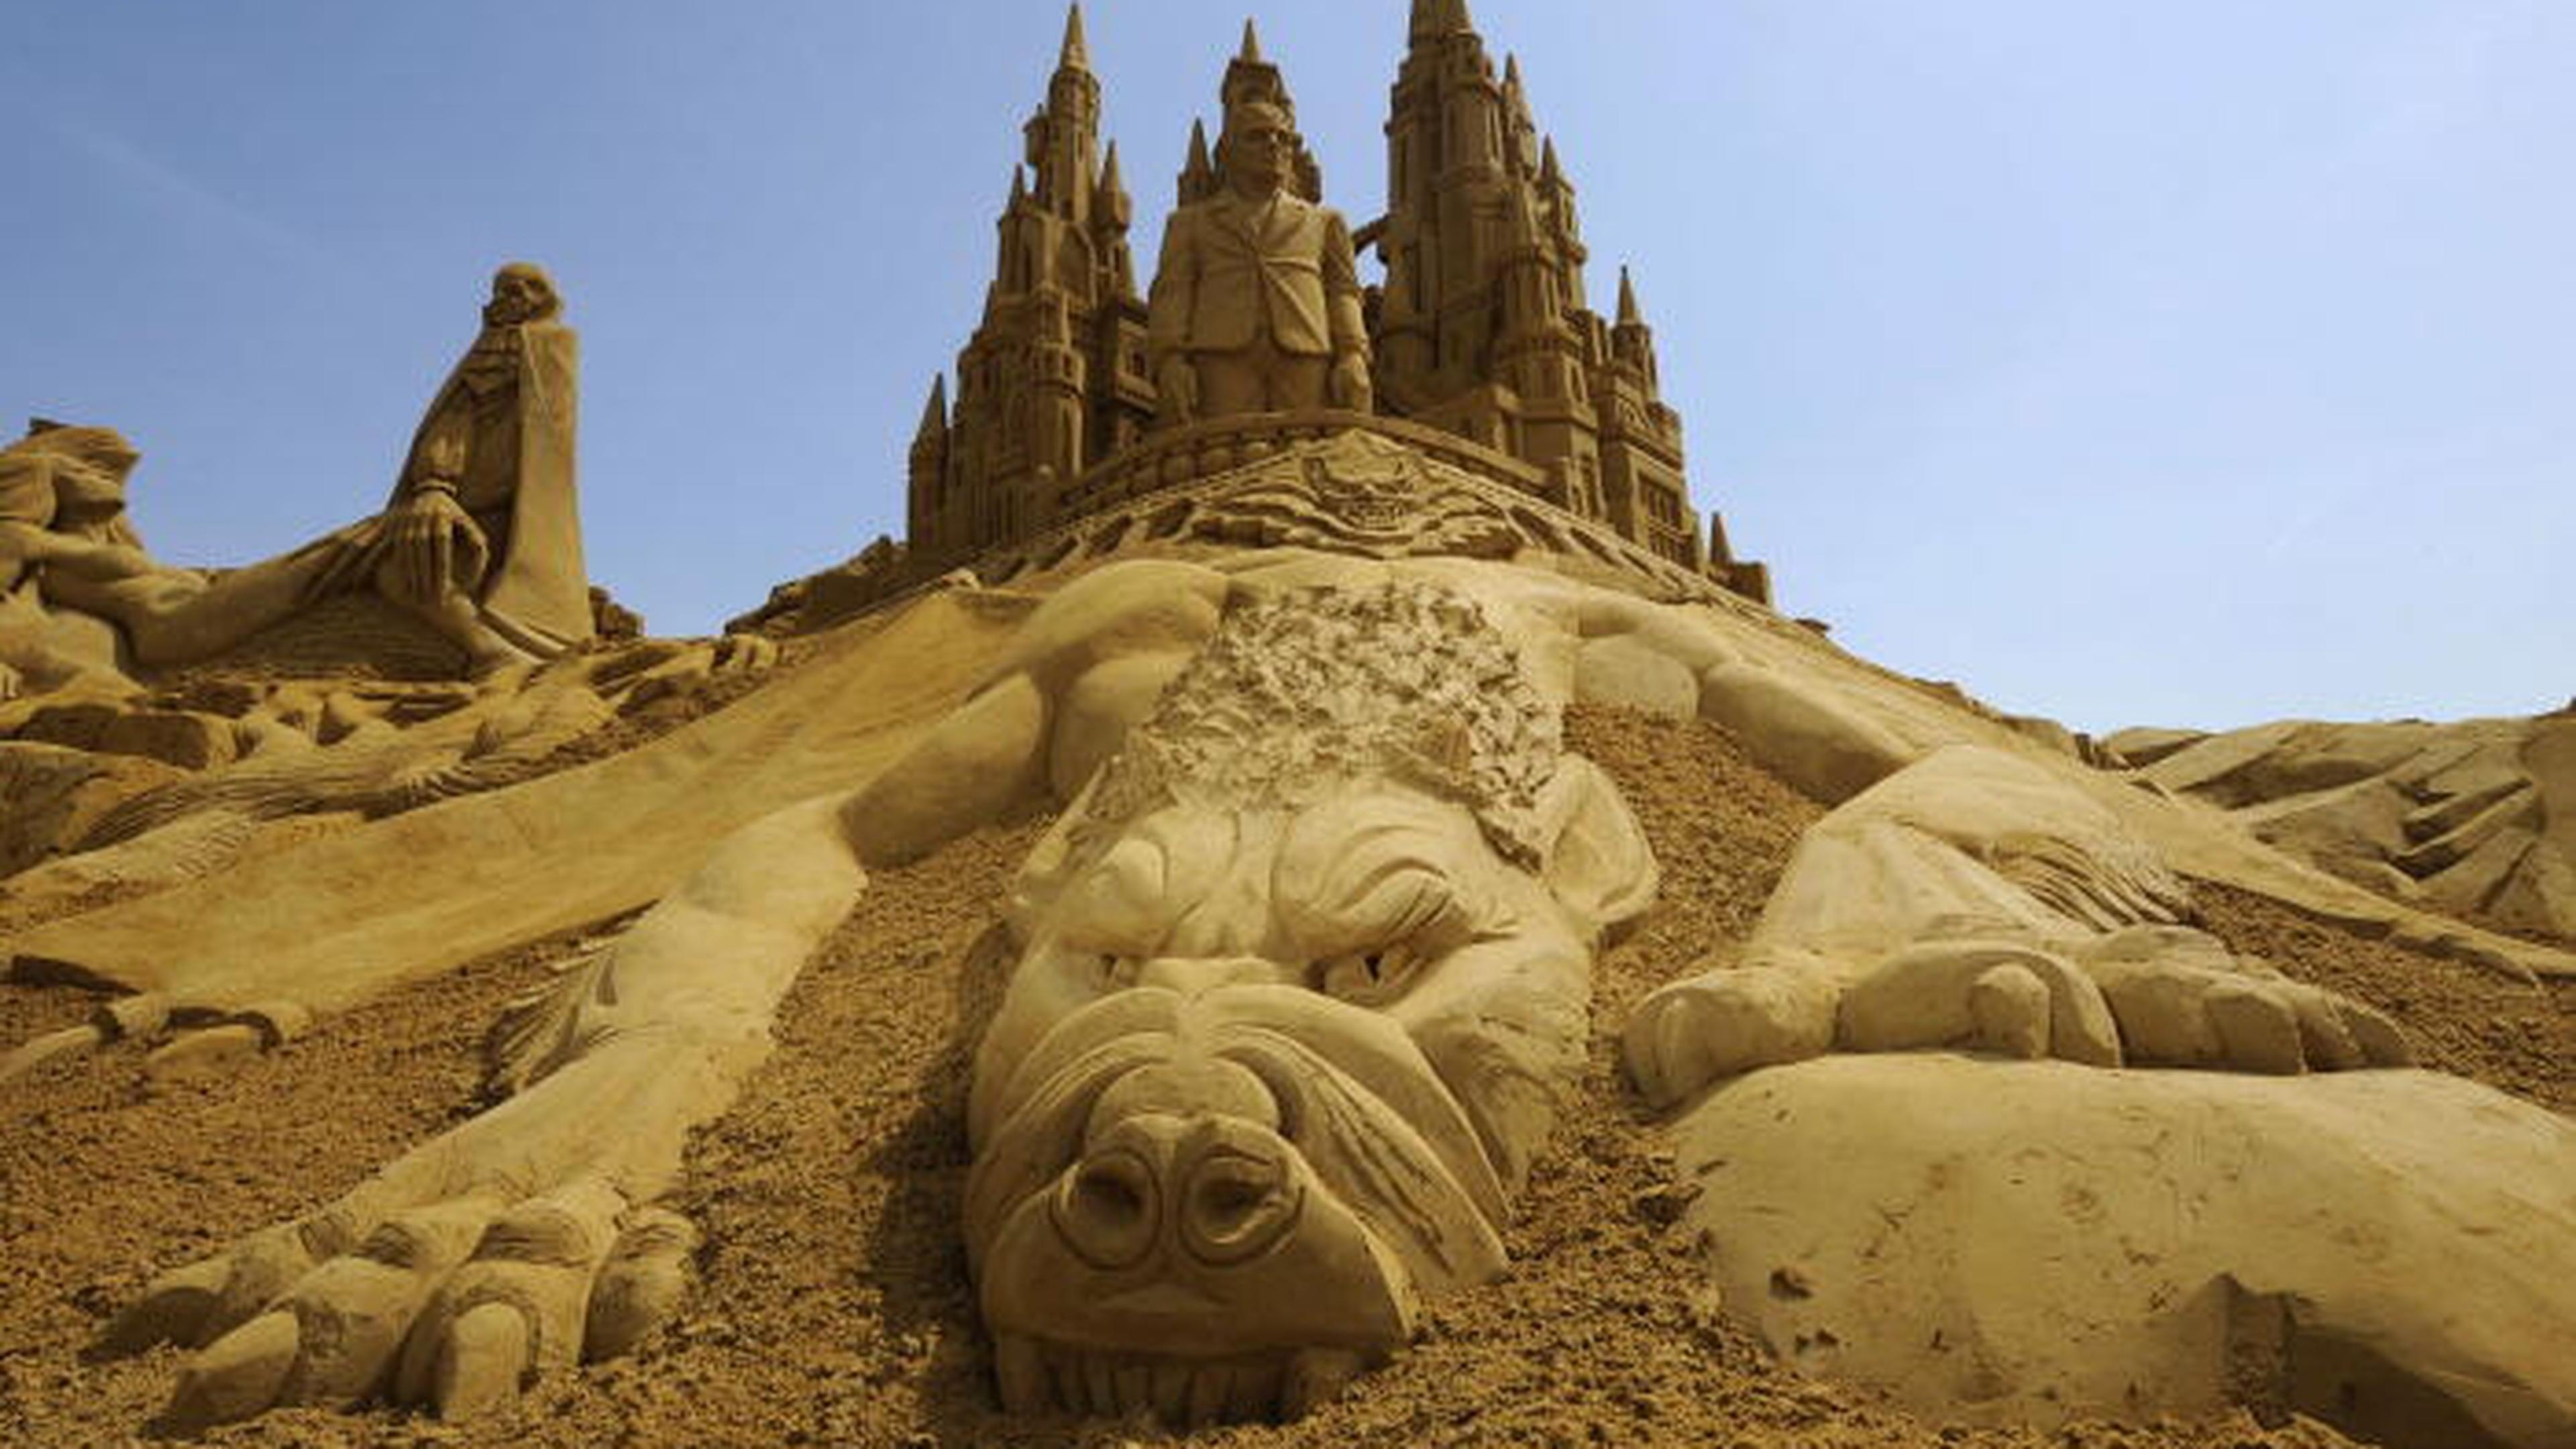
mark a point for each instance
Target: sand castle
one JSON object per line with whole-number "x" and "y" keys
{"x": 1263, "y": 613}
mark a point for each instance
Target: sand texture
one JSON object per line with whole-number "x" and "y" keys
{"x": 833, "y": 1305}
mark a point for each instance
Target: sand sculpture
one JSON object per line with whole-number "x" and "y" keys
{"x": 1481, "y": 332}
{"x": 482, "y": 537}
{"x": 1301, "y": 973}
{"x": 1256, "y": 300}
{"x": 1298, "y": 978}
{"x": 480, "y": 543}
{"x": 2476, "y": 819}
{"x": 83, "y": 599}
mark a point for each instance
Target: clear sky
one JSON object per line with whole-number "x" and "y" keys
{"x": 2128, "y": 361}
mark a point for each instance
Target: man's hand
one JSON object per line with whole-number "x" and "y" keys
{"x": 435, "y": 546}
{"x": 1349, "y": 385}
{"x": 1179, "y": 383}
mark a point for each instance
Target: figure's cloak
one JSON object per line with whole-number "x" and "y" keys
{"x": 536, "y": 593}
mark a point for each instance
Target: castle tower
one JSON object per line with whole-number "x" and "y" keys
{"x": 1483, "y": 328}
{"x": 928, "y": 464}
{"x": 1054, "y": 378}
{"x": 1641, "y": 452}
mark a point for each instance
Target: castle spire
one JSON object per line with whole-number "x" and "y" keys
{"x": 1549, "y": 174}
{"x": 1251, "y": 54}
{"x": 1435, "y": 19}
{"x": 1631, "y": 341}
{"x": 1075, "y": 55}
{"x": 1198, "y": 173}
{"x": 934, "y": 414}
{"x": 1041, "y": 369}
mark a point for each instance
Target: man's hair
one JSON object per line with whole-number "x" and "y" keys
{"x": 83, "y": 469}
{"x": 1300, "y": 693}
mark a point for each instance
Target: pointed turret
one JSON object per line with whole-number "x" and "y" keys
{"x": 1632, "y": 342}
{"x": 1109, "y": 194}
{"x": 1558, "y": 192}
{"x": 1074, "y": 55}
{"x": 934, "y": 414}
{"x": 1434, "y": 19}
{"x": 1043, "y": 366}
{"x": 1523, "y": 150}
{"x": 926, "y": 468}
{"x": 1251, "y": 52}
{"x": 1111, "y": 183}
{"x": 1064, "y": 135}
{"x": 1198, "y": 173}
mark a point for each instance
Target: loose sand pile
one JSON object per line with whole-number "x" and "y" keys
{"x": 833, "y": 1306}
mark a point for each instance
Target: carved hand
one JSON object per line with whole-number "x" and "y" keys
{"x": 2144, "y": 996}
{"x": 1723, "y": 1023}
{"x": 9, "y": 684}
{"x": 1349, "y": 386}
{"x": 451, "y": 1303}
{"x": 436, "y": 546}
{"x": 1179, "y": 382}
{"x": 523, "y": 1241}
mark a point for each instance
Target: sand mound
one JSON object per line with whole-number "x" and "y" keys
{"x": 834, "y": 1307}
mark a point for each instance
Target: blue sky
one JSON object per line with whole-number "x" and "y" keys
{"x": 2176, "y": 362}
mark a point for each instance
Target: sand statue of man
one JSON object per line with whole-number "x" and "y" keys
{"x": 482, "y": 537}
{"x": 1256, "y": 300}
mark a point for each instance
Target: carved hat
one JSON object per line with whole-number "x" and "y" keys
{"x": 26, "y": 488}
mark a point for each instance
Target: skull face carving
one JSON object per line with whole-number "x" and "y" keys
{"x": 1297, "y": 993}
{"x": 521, "y": 292}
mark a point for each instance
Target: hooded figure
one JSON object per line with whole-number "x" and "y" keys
{"x": 482, "y": 536}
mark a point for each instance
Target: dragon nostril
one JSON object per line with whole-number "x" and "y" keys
{"x": 1230, "y": 1201}
{"x": 1110, "y": 1196}
{"x": 1107, "y": 1209}
{"x": 1238, "y": 1206}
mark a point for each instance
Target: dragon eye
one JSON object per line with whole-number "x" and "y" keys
{"x": 1368, "y": 978}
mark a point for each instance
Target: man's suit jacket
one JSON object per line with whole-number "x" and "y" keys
{"x": 1228, "y": 264}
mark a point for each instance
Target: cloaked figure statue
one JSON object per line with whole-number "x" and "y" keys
{"x": 482, "y": 537}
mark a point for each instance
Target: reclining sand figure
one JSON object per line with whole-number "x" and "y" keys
{"x": 69, "y": 553}
{"x": 63, "y": 526}
{"x": 1303, "y": 972}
